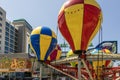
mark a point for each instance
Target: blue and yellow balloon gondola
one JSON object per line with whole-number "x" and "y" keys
{"x": 42, "y": 41}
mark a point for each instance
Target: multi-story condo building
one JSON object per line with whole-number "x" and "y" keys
{"x": 10, "y": 38}
{"x": 2, "y": 29}
{"x": 24, "y": 29}
{"x": 7, "y": 34}
{"x": 14, "y": 35}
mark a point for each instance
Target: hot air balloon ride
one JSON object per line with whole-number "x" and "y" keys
{"x": 79, "y": 21}
{"x": 42, "y": 42}
{"x": 55, "y": 54}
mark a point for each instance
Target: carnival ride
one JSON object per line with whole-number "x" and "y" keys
{"x": 78, "y": 21}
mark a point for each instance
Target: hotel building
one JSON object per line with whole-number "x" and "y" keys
{"x": 14, "y": 35}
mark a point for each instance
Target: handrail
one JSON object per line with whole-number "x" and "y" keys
{"x": 90, "y": 57}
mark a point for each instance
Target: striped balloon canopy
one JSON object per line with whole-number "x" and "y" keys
{"x": 56, "y": 54}
{"x": 42, "y": 41}
{"x": 78, "y": 22}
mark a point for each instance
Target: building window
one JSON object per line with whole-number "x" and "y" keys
{"x": 11, "y": 50}
{"x": 12, "y": 28}
{"x": 7, "y": 29}
{"x": 0, "y": 42}
{"x": 0, "y": 36}
{"x": 7, "y": 34}
{"x": 11, "y": 41}
{"x": 1, "y": 13}
{"x": 6, "y": 39}
{"x": 6, "y": 48}
{"x": 6, "y": 43}
{"x": 7, "y": 24}
{"x": 11, "y": 36}
{"x": 0, "y": 24}
{"x": 11, "y": 45}
{"x": 0, "y": 30}
{"x": 11, "y": 32}
{"x": 0, "y": 19}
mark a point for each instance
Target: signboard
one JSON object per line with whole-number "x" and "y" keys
{"x": 110, "y": 45}
{"x": 15, "y": 64}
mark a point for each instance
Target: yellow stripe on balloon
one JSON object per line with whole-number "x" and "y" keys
{"x": 95, "y": 64}
{"x": 97, "y": 28}
{"x": 53, "y": 35}
{"x": 44, "y": 45}
{"x": 48, "y": 58}
{"x": 36, "y": 30}
{"x": 75, "y": 24}
{"x": 92, "y": 2}
{"x": 58, "y": 55}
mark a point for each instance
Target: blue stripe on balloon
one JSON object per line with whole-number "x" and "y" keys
{"x": 51, "y": 47}
{"x": 35, "y": 44}
{"x": 46, "y": 31}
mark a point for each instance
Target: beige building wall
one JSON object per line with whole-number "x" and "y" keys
{"x": 24, "y": 31}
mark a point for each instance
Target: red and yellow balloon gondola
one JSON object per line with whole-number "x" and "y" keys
{"x": 79, "y": 21}
{"x": 55, "y": 54}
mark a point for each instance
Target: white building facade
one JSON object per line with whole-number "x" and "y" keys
{"x": 2, "y": 29}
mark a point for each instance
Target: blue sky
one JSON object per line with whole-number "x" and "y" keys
{"x": 45, "y": 13}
